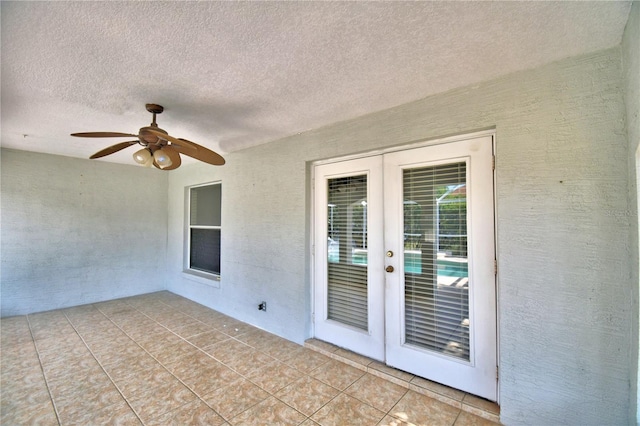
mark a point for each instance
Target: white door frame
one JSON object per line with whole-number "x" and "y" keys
{"x": 428, "y": 142}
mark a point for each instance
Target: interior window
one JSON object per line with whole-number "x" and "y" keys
{"x": 205, "y": 228}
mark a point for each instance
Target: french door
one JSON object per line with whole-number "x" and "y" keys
{"x": 404, "y": 261}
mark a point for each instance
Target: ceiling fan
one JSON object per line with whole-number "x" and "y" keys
{"x": 159, "y": 148}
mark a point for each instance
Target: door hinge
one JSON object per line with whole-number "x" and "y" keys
{"x": 493, "y": 162}
{"x": 495, "y": 266}
{"x": 497, "y": 373}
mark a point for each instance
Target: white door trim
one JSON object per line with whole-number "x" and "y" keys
{"x": 315, "y": 250}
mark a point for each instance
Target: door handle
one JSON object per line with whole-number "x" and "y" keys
{"x": 389, "y": 268}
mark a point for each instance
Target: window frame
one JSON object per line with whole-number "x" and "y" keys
{"x": 198, "y": 275}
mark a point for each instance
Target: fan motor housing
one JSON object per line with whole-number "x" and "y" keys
{"x": 149, "y": 138}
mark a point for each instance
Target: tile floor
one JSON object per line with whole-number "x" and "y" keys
{"x": 160, "y": 359}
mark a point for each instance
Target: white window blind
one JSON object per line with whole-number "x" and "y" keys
{"x": 436, "y": 273}
{"x": 347, "y": 251}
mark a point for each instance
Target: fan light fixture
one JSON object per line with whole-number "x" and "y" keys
{"x": 143, "y": 157}
{"x": 162, "y": 159}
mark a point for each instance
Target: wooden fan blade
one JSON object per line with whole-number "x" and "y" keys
{"x": 201, "y": 153}
{"x": 175, "y": 157}
{"x": 113, "y": 148}
{"x": 103, "y": 135}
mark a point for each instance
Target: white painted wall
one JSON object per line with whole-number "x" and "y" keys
{"x": 563, "y": 247}
{"x": 631, "y": 64}
{"x": 78, "y": 231}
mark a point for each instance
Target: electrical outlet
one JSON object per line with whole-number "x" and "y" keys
{"x": 262, "y": 306}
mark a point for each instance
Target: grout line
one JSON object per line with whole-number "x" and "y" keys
{"x": 100, "y": 364}
{"x": 44, "y": 376}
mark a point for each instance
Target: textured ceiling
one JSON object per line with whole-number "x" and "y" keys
{"x": 235, "y": 74}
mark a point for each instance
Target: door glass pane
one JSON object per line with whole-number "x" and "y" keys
{"x": 435, "y": 256}
{"x": 347, "y": 251}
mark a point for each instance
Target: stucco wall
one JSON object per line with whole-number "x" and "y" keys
{"x": 77, "y": 231}
{"x": 563, "y": 251}
{"x": 631, "y": 64}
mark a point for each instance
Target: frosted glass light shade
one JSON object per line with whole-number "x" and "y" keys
{"x": 143, "y": 157}
{"x": 162, "y": 159}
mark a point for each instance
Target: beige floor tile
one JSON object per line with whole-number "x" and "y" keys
{"x": 62, "y": 368}
{"x": 385, "y": 369}
{"x": 18, "y": 349}
{"x": 169, "y": 354}
{"x": 144, "y": 382}
{"x": 177, "y": 324}
{"x": 307, "y": 395}
{"x": 235, "y": 398}
{"x": 81, "y": 411}
{"x": 337, "y": 374}
{"x": 477, "y": 402}
{"x": 116, "y": 414}
{"x": 394, "y": 421}
{"x": 255, "y": 337}
{"x": 249, "y": 361}
{"x": 195, "y": 413}
{"x": 438, "y": 388}
{"x": 307, "y": 360}
{"x": 376, "y": 392}
{"x": 19, "y": 362}
{"x": 210, "y": 379}
{"x": 93, "y": 387}
{"x": 27, "y": 378}
{"x": 468, "y": 419}
{"x": 22, "y": 398}
{"x": 419, "y": 409}
{"x": 37, "y": 414}
{"x": 344, "y": 410}
{"x": 208, "y": 338}
{"x": 59, "y": 343}
{"x": 121, "y": 354}
{"x": 324, "y": 346}
{"x": 191, "y": 365}
{"x": 64, "y": 357}
{"x": 225, "y": 351}
{"x": 279, "y": 348}
{"x": 78, "y": 369}
{"x": 275, "y": 376}
{"x": 359, "y": 359}
{"x": 192, "y": 329}
{"x": 158, "y": 340}
{"x": 233, "y": 327}
{"x": 270, "y": 412}
{"x": 164, "y": 399}
{"x": 149, "y": 333}
{"x": 121, "y": 371}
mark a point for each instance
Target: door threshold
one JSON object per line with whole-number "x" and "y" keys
{"x": 454, "y": 397}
